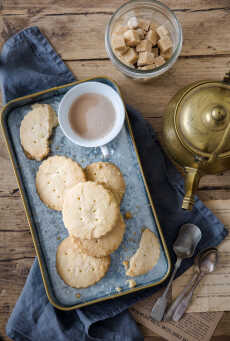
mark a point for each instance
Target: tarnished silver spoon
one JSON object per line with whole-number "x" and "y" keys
{"x": 184, "y": 247}
{"x": 205, "y": 263}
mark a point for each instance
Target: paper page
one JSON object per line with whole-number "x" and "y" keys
{"x": 192, "y": 327}
{"x": 213, "y": 293}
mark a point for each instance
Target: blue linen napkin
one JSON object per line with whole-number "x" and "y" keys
{"x": 28, "y": 64}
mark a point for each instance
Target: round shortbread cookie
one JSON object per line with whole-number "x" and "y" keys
{"x": 89, "y": 210}
{"x": 146, "y": 256}
{"x": 54, "y": 176}
{"x": 35, "y": 131}
{"x": 105, "y": 245}
{"x": 77, "y": 269}
{"x": 109, "y": 175}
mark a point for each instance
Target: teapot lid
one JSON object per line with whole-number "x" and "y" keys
{"x": 202, "y": 119}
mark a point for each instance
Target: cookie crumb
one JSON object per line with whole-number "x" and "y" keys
{"x": 78, "y": 295}
{"x": 126, "y": 264}
{"x": 128, "y": 215}
{"x": 131, "y": 283}
{"x": 118, "y": 289}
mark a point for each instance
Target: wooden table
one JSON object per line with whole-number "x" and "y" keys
{"x": 76, "y": 30}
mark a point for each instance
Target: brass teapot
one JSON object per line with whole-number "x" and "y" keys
{"x": 196, "y": 132}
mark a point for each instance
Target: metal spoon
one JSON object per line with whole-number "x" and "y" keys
{"x": 184, "y": 247}
{"x": 206, "y": 263}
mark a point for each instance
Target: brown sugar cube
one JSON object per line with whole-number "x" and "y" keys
{"x": 152, "y": 36}
{"x": 168, "y": 54}
{"x": 165, "y": 44}
{"x": 162, "y": 31}
{"x": 120, "y": 29}
{"x": 152, "y": 26}
{"x": 159, "y": 61}
{"x": 118, "y": 44}
{"x": 155, "y": 51}
{"x": 131, "y": 56}
{"x": 147, "y": 67}
{"x": 141, "y": 33}
{"x": 131, "y": 38}
{"x": 145, "y": 58}
{"x": 144, "y": 24}
{"x": 133, "y": 23}
{"x": 144, "y": 46}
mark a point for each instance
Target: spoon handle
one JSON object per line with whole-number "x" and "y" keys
{"x": 160, "y": 305}
{"x": 183, "y": 305}
{"x": 172, "y": 308}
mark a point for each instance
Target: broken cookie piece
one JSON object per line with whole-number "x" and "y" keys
{"x": 36, "y": 129}
{"x": 146, "y": 256}
{"x": 131, "y": 283}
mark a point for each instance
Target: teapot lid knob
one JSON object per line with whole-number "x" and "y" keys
{"x": 218, "y": 113}
{"x": 215, "y": 118}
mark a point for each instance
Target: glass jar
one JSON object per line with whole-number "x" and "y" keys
{"x": 150, "y": 10}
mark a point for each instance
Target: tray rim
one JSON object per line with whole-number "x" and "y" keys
{"x": 29, "y": 218}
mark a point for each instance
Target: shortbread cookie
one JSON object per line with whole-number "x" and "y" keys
{"x": 104, "y": 245}
{"x": 77, "y": 269}
{"x": 147, "y": 255}
{"x": 109, "y": 175}
{"x": 36, "y": 129}
{"x": 54, "y": 176}
{"x": 90, "y": 210}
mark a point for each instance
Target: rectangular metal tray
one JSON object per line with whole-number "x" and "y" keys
{"x": 46, "y": 225}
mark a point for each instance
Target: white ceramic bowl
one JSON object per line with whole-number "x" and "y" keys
{"x": 84, "y": 88}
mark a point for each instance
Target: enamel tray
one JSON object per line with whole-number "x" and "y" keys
{"x": 46, "y": 225}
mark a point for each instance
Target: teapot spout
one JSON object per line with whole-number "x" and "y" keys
{"x": 192, "y": 178}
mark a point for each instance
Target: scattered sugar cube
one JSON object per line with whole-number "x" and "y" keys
{"x": 155, "y": 51}
{"x": 145, "y": 58}
{"x": 159, "y": 61}
{"x": 165, "y": 44}
{"x": 131, "y": 56}
{"x": 162, "y": 31}
{"x": 168, "y": 54}
{"x": 133, "y": 23}
{"x": 152, "y": 36}
{"x": 131, "y": 38}
{"x": 120, "y": 29}
{"x": 118, "y": 44}
{"x": 147, "y": 67}
{"x": 141, "y": 33}
{"x": 144, "y": 46}
{"x": 144, "y": 24}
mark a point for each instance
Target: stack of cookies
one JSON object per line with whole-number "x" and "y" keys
{"x": 89, "y": 201}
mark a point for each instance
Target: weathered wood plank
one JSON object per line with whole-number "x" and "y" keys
{"x": 32, "y": 7}
{"x": 76, "y": 36}
{"x": 12, "y": 279}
